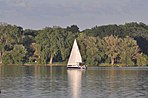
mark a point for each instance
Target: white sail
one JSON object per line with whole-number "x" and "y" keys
{"x": 75, "y": 56}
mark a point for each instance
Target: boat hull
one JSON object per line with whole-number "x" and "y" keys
{"x": 77, "y": 67}
{"x": 73, "y": 68}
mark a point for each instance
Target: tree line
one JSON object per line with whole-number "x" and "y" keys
{"x": 108, "y": 45}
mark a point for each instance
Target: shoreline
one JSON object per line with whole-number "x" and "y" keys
{"x": 56, "y": 64}
{"x": 64, "y": 65}
{"x": 33, "y": 65}
{"x": 43, "y": 64}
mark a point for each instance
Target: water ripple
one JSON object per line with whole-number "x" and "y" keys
{"x": 60, "y": 83}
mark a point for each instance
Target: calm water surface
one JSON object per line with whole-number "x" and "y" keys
{"x": 58, "y": 82}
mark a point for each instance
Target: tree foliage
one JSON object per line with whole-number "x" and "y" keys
{"x": 15, "y": 56}
{"x": 115, "y": 44}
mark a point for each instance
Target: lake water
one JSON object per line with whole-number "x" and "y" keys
{"x": 58, "y": 82}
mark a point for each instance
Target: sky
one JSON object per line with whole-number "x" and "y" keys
{"x": 37, "y": 14}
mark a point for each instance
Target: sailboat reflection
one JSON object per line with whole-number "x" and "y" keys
{"x": 74, "y": 80}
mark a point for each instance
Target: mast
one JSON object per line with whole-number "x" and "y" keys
{"x": 75, "y": 56}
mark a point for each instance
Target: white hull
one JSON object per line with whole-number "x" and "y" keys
{"x": 76, "y": 67}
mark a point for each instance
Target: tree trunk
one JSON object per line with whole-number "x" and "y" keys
{"x": 112, "y": 61}
{"x": 1, "y": 58}
{"x": 51, "y": 58}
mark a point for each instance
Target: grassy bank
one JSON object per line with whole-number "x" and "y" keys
{"x": 118, "y": 65}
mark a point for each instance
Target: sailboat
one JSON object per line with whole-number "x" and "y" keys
{"x": 75, "y": 59}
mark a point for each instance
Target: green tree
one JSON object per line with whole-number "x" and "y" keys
{"x": 7, "y": 58}
{"x": 111, "y": 47}
{"x": 89, "y": 49}
{"x": 15, "y": 56}
{"x": 9, "y": 36}
{"x": 142, "y": 60}
{"x": 28, "y": 40}
{"x": 54, "y": 43}
{"x": 73, "y": 28}
{"x": 129, "y": 52}
{"x": 18, "y": 54}
{"x": 119, "y": 50}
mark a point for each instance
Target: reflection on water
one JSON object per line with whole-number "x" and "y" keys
{"x": 58, "y": 82}
{"x": 74, "y": 81}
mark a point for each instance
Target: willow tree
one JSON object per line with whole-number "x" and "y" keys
{"x": 56, "y": 39}
{"x": 42, "y": 46}
{"x": 130, "y": 50}
{"x": 142, "y": 60}
{"x": 111, "y": 47}
{"x": 125, "y": 51}
{"x": 66, "y": 44}
{"x": 54, "y": 43}
{"x": 89, "y": 49}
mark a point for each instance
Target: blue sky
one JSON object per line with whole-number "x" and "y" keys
{"x": 36, "y": 14}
